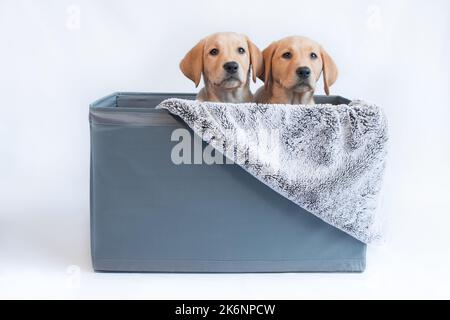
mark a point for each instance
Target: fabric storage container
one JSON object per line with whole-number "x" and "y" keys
{"x": 241, "y": 226}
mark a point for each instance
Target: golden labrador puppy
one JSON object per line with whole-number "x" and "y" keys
{"x": 224, "y": 59}
{"x": 292, "y": 67}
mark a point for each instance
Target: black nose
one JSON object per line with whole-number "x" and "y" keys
{"x": 231, "y": 67}
{"x": 303, "y": 72}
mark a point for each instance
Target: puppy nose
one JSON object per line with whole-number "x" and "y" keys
{"x": 231, "y": 67}
{"x": 303, "y": 72}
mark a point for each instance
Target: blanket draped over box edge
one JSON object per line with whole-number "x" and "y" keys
{"x": 327, "y": 159}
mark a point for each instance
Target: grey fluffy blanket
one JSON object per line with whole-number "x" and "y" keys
{"x": 327, "y": 159}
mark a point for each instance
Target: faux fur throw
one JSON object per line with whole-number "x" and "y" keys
{"x": 327, "y": 159}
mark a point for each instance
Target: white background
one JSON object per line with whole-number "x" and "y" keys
{"x": 58, "y": 56}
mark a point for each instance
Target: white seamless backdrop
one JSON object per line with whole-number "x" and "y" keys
{"x": 58, "y": 56}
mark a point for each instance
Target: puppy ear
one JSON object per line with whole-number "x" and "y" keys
{"x": 330, "y": 71}
{"x": 192, "y": 63}
{"x": 256, "y": 60}
{"x": 268, "y": 53}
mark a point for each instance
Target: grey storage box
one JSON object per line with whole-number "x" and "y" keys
{"x": 241, "y": 226}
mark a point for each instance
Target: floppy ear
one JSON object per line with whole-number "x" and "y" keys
{"x": 330, "y": 71}
{"x": 192, "y": 63}
{"x": 256, "y": 60}
{"x": 268, "y": 52}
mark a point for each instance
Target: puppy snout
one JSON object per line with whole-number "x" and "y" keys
{"x": 231, "y": 67}
{"x": 303, "y": 72}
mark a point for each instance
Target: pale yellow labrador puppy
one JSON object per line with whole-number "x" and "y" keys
{"x": 292, "y": 67}
{"x": 224, "y": 59}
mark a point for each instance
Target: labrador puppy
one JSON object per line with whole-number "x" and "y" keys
{"x": 292, "y": 67}
{"x": 224, "y": 59}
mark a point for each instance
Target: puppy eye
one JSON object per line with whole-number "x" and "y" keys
{"x": 287, "y": 55}
{"x": 241, "y": 50}
{"x": 214, "y": 52}
{"x": 313, "y": 55}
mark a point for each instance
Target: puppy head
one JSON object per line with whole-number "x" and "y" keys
{"x": 224, "y": 59}
{"x": 296, "y": 63}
